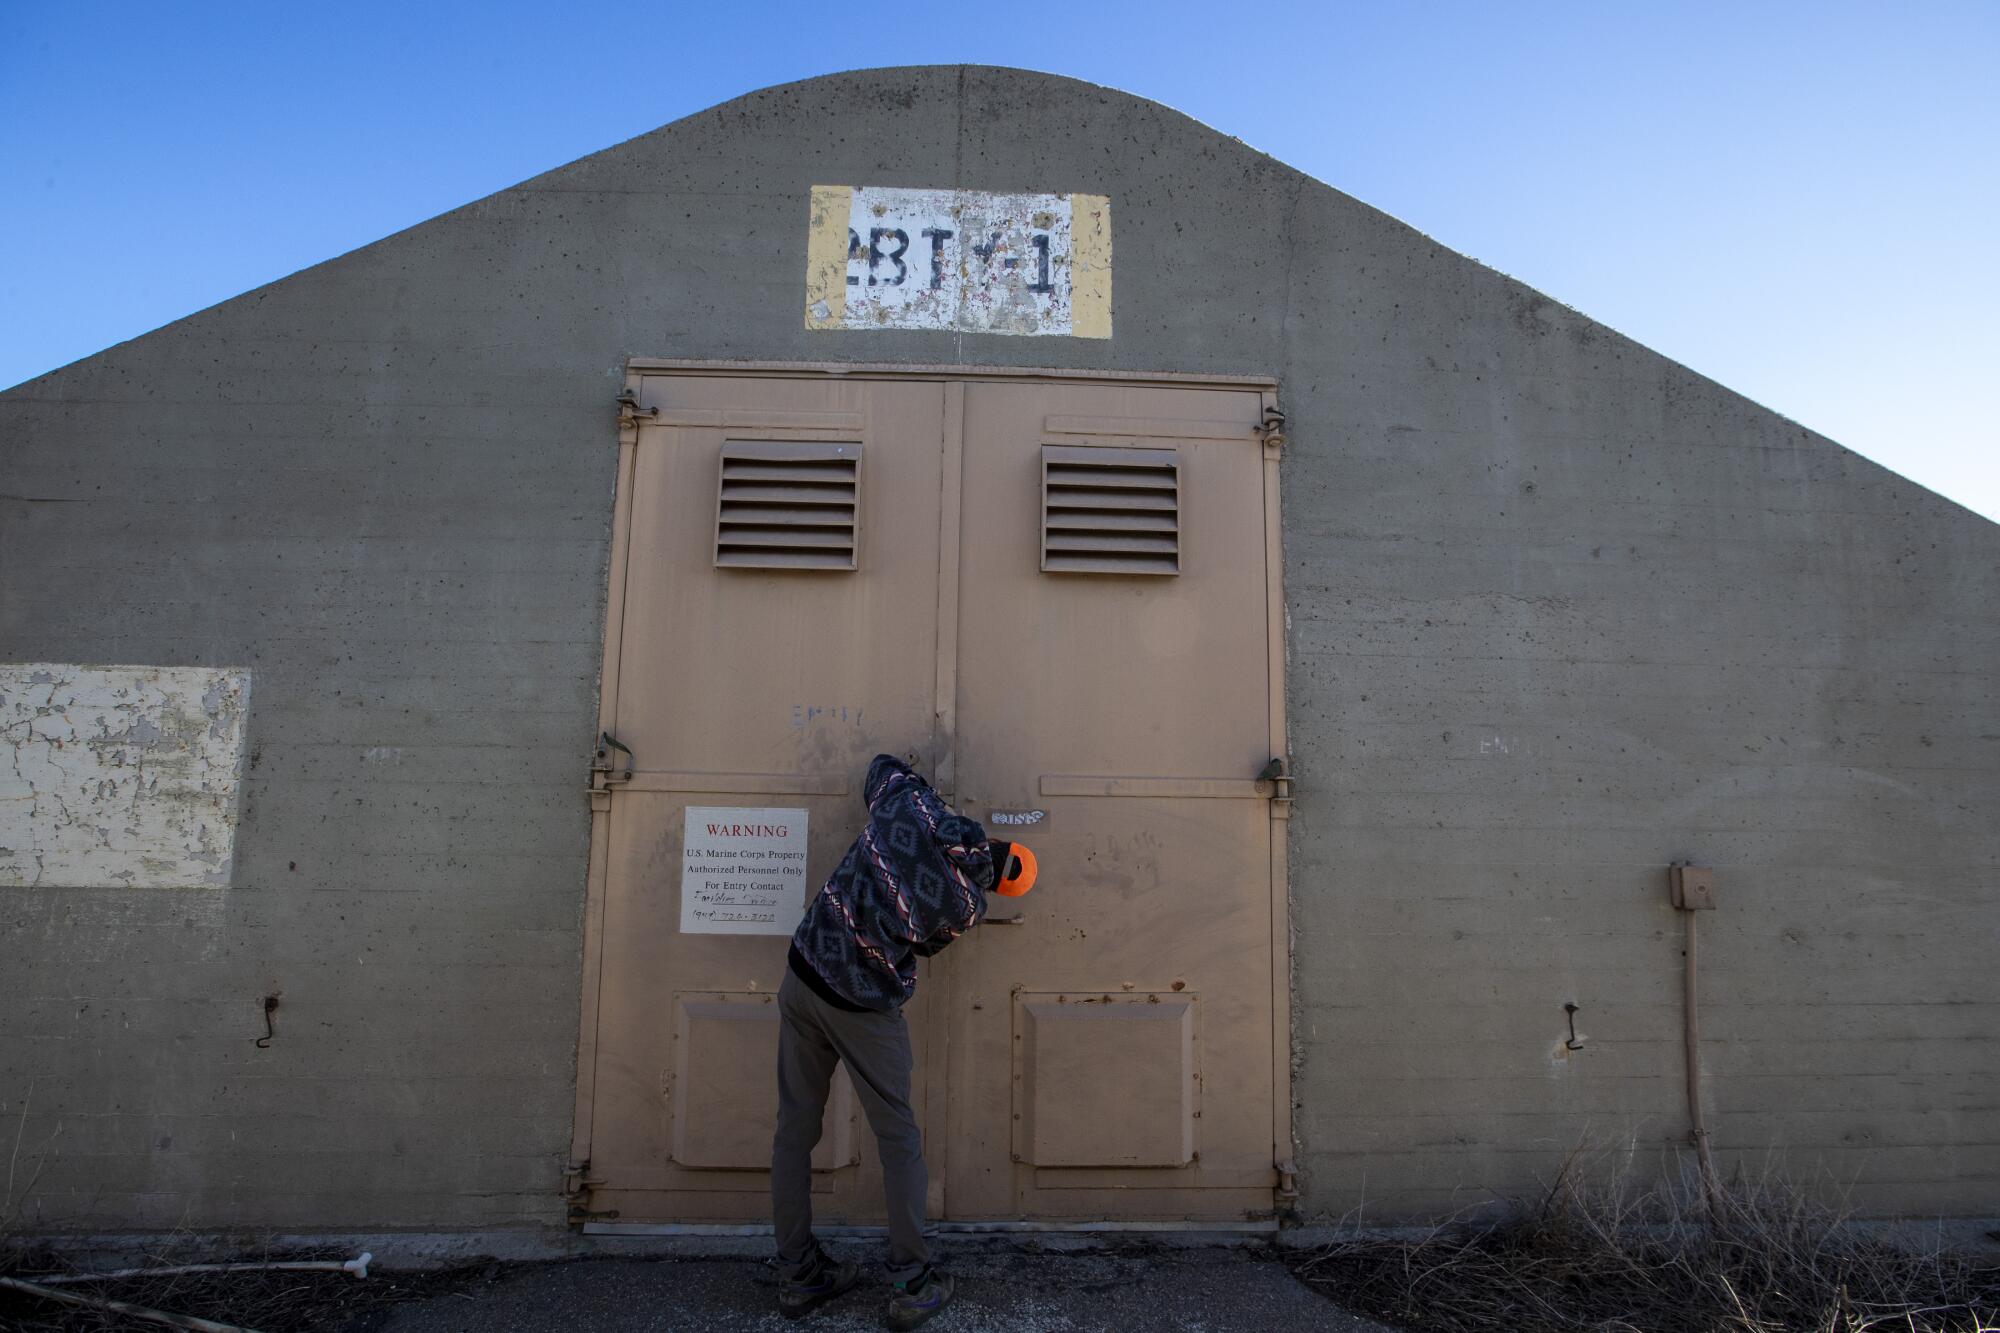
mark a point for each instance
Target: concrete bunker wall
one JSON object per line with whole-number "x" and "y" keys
{"x": 1561, "y": 611}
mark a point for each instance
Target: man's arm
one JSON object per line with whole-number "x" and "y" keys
{"x": 945, "y": 906}
{"x": 883, "y": 773}
{"x": 965, "y": 845}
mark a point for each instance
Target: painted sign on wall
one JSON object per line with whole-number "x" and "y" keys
{"x": 120, "y": 776}
{"x": 743, "y": 871}
{"x": 884, "y": 257}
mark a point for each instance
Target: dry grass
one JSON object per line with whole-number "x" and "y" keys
{"x": 271, "y": 1302}
{"x": 1610, "y": 1259}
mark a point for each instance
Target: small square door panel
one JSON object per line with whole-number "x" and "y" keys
{"x": 724, "y": 1099}
{"x": 1105, "y": 1080}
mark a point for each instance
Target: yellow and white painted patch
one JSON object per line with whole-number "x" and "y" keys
{"x": 884, "y": 257}
{"x": 120, "y": 775}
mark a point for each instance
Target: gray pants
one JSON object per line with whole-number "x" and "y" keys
{"x": 812, "y": 1036}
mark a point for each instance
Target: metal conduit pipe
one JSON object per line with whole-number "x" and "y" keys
{"x": 1693, "y": 891}
{"x": 1698, "y": 1129}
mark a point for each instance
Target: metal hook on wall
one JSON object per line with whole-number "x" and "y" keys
{"x": 1575, "y": 1043}
{"x": 270, "y": 1030}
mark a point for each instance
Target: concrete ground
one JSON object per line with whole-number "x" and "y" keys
{"x": 1001, "y": 1289}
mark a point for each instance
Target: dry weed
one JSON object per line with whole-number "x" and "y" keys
{"x": 271, "y": 1302}
{"x": 1758, "y": 1256}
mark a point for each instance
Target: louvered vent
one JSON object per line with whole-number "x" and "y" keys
{"x": 788, "y": 505}
{"x": 1110, "y": 511}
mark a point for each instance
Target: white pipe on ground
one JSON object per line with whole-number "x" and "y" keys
{"x": 358, "y": 1267}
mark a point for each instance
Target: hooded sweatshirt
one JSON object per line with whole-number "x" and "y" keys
{"x": 913, "y": 882}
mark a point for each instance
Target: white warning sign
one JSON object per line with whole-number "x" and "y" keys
{"x": 743, "y": 871}
{"x": 889, "y": 257}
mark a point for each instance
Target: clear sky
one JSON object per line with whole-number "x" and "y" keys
{"x": 1797, "y": 199}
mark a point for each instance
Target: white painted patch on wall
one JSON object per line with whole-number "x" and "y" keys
{"x": 120, "y": 775}
{"x": 886, "y": 257}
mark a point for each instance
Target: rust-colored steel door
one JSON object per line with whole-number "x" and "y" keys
{"x": 747, "y": 670}
{"x": 1112, "y": 1054}
{"x": 1061, "y": 595}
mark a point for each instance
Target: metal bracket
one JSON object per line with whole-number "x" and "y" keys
{"x": 605, "y": 774}
{"x": 1272, "y": 431}
{"x": 612, "y": 776}
{"x": 1288, "y": 1184}
{"x": 629, "y": 416}
{"x": 576, "y": 1188}
{"x": 629, "y": 410}
{"x": 1278, "y": 774}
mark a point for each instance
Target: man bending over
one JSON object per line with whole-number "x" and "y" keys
{"x": 914, "y": 881}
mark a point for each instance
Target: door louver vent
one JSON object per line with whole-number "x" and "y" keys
{"x": 1110, "y": 511}
{"x": 788, "y": 505}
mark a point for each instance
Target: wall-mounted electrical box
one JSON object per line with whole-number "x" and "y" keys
{"x": 1691, "y": 888}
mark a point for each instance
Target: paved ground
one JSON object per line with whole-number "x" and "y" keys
{"x": 1001, "y": 1290}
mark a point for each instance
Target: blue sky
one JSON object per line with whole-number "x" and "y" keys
{"x": 1797, "y": 199}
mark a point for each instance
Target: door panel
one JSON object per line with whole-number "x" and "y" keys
{"x": 1141, "y": 1042}
{"x": 1154, "y": 897}
{"x": 789, "y": 672}
{"x": 725, "y": 1071}
{"x": 665, "y": 1116}
{"x": 1089, "y": 673}
{"x": 757, "y": 688}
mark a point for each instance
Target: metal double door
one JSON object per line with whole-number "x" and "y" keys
{"x": 810, "y": 569}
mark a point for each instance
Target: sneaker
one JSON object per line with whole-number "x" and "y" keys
{"x": 916, "y": 1300}
{"x": 824, "y": 1280}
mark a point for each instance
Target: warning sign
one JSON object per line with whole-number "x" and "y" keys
{"x": 743, "y": 871}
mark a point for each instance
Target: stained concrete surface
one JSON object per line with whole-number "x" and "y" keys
{"x": 999, "y": 1291}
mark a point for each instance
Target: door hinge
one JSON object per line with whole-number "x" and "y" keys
{"x": 630, "y": 414}
{"x": 577, "y": 1185}
{"x": 607, "y": 772}
{"x": 1287, "y": 1196}
{"x": 1272, "y": 431}
{"x": 1278, "y": 774}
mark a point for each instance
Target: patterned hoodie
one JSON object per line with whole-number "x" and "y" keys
{"x": 913, "y": 882}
